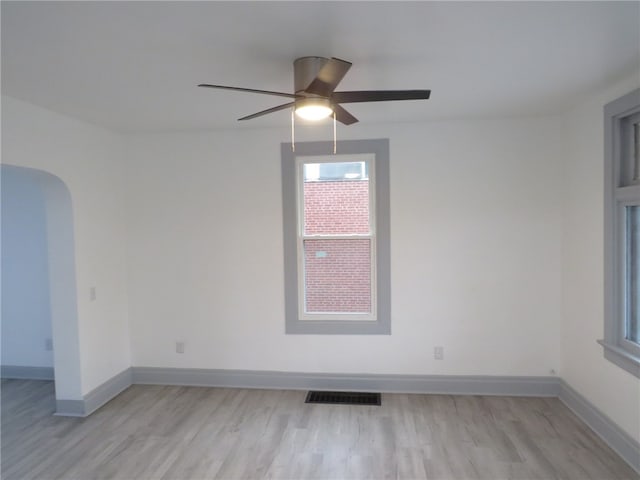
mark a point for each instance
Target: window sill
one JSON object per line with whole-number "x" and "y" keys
{"x": 338, "y": 327}
{"x": 621, "y": 358}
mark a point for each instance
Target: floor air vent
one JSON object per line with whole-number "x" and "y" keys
{"x": 343, "y": 398}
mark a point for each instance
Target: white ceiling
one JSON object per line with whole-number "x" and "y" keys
{"x": 134, "y": 66}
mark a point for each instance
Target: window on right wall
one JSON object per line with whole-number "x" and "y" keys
{"x": 622, "y": 232}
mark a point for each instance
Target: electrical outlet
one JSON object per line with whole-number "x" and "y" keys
{"x": 48, "y": 344}
{"x": 438, "y": 353}
{"x": 92, "y": 294}
{"x": 179, "y": 347}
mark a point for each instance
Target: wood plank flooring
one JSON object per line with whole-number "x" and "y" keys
{"x": 164, "y": 432}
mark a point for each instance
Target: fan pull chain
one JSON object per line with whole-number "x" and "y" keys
{"x": 293, "y": 132}
{"x": 636, "y": 151}
{"x": 334, "y": 133}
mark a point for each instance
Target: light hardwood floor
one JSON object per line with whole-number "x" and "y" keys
{"x": 163, "y": 432}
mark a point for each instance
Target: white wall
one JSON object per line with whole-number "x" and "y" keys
{"x": 26, "y": 308}
{"x": 614, "y": 391}
{"x": 475, "y": 251}
{"x": 88, "y": 160}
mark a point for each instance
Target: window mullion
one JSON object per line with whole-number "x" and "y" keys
{"x": 354, "y": 236}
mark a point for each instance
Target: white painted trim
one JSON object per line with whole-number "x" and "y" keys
{"x": 616, "y": 438}
{"x": 26, "y": 373}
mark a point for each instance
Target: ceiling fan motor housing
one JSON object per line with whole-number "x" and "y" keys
{"x": 305, "y": 70}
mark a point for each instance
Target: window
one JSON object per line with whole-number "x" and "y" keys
{"x": 336, "y": 241}
{"x": 622, "y": 232}
{"x": 336, "y": 237}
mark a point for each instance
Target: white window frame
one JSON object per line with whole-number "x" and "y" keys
{"x": 296, "y": 321}
{"x": 371, "y": 236}
{"x": 617, "y": 348}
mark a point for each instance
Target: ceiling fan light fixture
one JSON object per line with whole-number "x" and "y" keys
{"x": 313, "y": 108}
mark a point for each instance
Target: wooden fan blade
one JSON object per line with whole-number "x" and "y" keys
{"x": 251, "y": 90}
{"x": 328, "y": 77}
{"x": 269, "y": 110}
{"x": 343, "y": 116}
{"x": 379, "y": 95}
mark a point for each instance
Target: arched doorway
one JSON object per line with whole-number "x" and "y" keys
{"x": 50, "y": 199}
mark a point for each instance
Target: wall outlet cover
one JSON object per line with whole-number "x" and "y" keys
{"x": 438, "y": 353}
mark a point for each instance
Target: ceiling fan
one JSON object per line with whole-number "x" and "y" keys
{"x": 315, "y": 80}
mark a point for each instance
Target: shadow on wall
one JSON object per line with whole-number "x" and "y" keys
{"x": 39, "y": 303}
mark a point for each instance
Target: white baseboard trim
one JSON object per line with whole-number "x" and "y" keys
{"x": 619, "y": 441}
{"x": 26, "y": 373}
{"x": 96, "y": 397}
{"x": 438, "y": 384}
